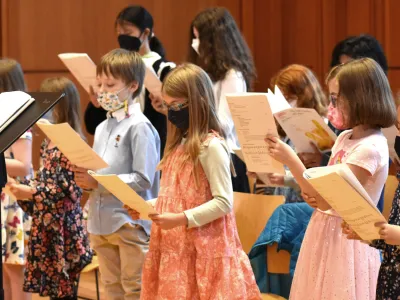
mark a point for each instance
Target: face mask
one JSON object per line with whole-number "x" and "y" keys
{"x": 180, "y": 118}
{"x": 397, "y": 145}
{"x": 110, "y": 101}
{"x": 130, "y": 43}
{"x": 195, "y": 45}
{"x": 336, "y": 117}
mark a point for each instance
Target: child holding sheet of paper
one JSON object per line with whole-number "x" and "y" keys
{"x": 15, "y": 227}
{"x": 58, "y": 246}
{"x": 301, "y": 89}
{"x": 195, "y": 252}
{"x": 388, "y": 286}
{"x": 330, "y": 266}
{"x": 130, "y": 145}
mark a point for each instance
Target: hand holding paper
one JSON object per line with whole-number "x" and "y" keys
{"x": 125, "y": 194}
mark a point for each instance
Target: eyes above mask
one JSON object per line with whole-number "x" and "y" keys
{"x": 130, "y": 43}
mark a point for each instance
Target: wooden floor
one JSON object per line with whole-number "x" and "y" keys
{"x": 87, "y": 288}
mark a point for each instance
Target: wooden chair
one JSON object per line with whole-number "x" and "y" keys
{"x": 252, "y": 213}
{"x": 390, "y": 189}
{"x": 92, "y": 267}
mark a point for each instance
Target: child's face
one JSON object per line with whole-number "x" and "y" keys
{"x": 109, "y": 84}
{"x": 173, "y": 103}
{"x": 128, "y": 29}
{"x": 337, "y": 108}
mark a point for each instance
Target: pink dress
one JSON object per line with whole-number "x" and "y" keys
{"x": 330, "y": 266}
{"x": 206, "y": 262}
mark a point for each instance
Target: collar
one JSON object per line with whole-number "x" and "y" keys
{"x": 120, "y": 114}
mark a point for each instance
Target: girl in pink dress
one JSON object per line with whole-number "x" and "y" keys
{"x": 195, "y": 252}
{"x": 330, "y": 266}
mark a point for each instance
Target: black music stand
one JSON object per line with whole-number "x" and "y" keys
{"x": 42, "y": 104}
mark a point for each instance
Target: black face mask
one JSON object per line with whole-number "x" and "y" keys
{"x": 397, "y": 145}
{"x": 130, "y": 43}
{"x": 180, "y": 118}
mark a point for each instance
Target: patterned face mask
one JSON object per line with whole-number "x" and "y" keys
{"x": 110, "y": 100}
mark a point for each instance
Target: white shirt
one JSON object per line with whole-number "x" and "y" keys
{"x": 233, "y": 83}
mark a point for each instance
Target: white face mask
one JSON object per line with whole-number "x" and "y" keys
{"x": 195, "y": 45}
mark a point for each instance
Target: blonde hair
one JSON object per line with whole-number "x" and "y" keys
{"x": 191, "y": 83}
{"x": 125, "y": 65}
{"x": 300, "y": 81}
{"x": 11, "y": 76}
{"x": 68, "y": 110}
{"x": 364, "y": 89}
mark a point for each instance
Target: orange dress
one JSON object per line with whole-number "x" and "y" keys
{"x": 206, "y": 262}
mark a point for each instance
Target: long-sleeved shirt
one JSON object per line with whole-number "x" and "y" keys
{"x": 131, "y": 147}
{"x": 232, "y": 83}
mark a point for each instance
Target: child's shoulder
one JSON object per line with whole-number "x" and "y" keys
{"x": 213, "y": 142}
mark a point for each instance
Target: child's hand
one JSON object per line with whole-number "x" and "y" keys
{"x": 93, "y": 97}
{"x": 21, "y": 191}
{"x": 313, "y": 159}
{"x": 158, "y": 104}
{"x": 389, "y": 233}
{"x": 351, "y": 235}
{"x": 169, "y": 220}
{"x": 252, "y": 175}
{"x": 83, "y": 179}
{"x": 133, "y": 213}
{"x": 279, "y": 150}
{"x": 277, "y": 179}
{"x": 312, "y": 201}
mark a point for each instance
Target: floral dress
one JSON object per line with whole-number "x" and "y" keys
{"x": 16, "y": 224}
{"x": 388, "y": 287}
{"x": 58, "y": 246}
{"x": 206, "y": 262}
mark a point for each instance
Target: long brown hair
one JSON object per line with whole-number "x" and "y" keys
{"x": 68, "y": 110}
{"x": 11, "y": 76}
{"x": 222, "y": 46}
{"x": 191, "y": 83}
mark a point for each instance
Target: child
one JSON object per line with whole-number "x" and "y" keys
{"x": 388, "y": 286}
{"x": 219, "y": 48}
{"x": 301, "y": 89}
{"x": 195, "y": 252}
{"x": 134, "y": 26}
{"x": 15, "y": 227}
{"x": 330, "y": 266}
{"x": 130, "y": 145}
{"x": 58, "y": 245}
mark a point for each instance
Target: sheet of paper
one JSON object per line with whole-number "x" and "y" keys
{"x": 152, "y": 82}
{"x": 305, "y": 126}
{"x": 72, "y": 145}
{"x": 348, "y": 198}
{"x": 125, "y": 194}
{"x": 390, "y": 134}
{"x": 253, "y": 121}
{"x": 12, "y": 105}
{"x": 81, "y": 67}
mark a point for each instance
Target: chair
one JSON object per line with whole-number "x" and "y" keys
{"x": 390, "y": 189}
{"x": 93, "y": 266}
{"x": 252, "y": 213}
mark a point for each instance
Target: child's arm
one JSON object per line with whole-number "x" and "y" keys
{"x": 215, "y": 160}
{"x": 20, "y": 165}
{"x": 145, "y": 158}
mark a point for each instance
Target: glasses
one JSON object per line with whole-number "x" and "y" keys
{"x": 176, "y": 107}
{"x": 333, "y": 99}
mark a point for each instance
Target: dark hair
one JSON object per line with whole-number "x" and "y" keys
{"x": 338, "y": 51}
{"x": 364, "y": 89}
{"x": 141, "y": 18}
{"x": 68, "y": 110}
{"x": 11, "y": 76}
{"x": 222, "y": 46}
{"x": 125, "y": 65}
{"x": 361, "y": 46}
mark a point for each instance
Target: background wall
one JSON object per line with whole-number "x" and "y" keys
{"x": 279, "y": 32}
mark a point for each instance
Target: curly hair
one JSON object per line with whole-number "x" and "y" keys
{"x": 222, "y": 46}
